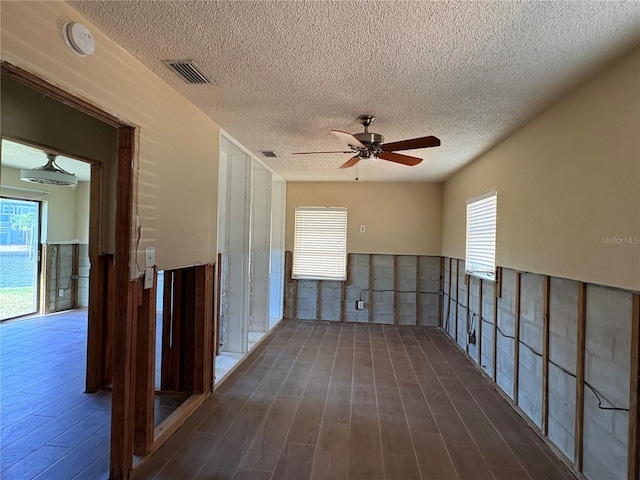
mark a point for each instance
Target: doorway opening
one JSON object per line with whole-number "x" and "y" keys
{"x": 19, "y": 257}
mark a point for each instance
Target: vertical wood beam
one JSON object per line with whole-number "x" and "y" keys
{"x": 467, "y": 281}
{"x": 441, "y": 294}
{"x": 109, "y": 316}
{"x": 75, "y": 262}
{"x": 56, "y": 296}
{"x": 203, "y": 329}
{"x": 395, "y": 288}
{"x": 497, "y": 293}
{"x": 479, "y": 336}
{"x": 371, "y": 279}
{"x": 457, "y": 295}
{"x": 580, "y": 348}
{"x": 121, "y": 453}
{"x": 97, "y": 365}
{"x": 449, "y": 295}
{"x": 418, "y": 306}
{"x": 545, "y": 354}
{"x": 516, "y": 341}
{"x": 145, "y": 371}
{"x": 318, "y": 299}
{"x": 343, "y": 290}
{"x": 216, "y": 312}
{"x": 633, "y": 470}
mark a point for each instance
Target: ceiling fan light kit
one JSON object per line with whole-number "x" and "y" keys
{"x": 50, "y": 174}
{"x": 369, "y": 146}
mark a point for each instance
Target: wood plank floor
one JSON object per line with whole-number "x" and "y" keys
{"x": 50, "y": 428}
{"x": 341, "y": 401}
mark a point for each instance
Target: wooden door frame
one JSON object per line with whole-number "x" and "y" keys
{"x": 122, "y": 385}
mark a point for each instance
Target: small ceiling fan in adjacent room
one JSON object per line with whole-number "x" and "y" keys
{"x": 370, "y": 146}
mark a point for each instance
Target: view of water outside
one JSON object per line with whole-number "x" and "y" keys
{"x": 19, "y": 238}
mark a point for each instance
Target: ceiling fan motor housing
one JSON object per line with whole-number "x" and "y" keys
{"x": 373, "y": 141}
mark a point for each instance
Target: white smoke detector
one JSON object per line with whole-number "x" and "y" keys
{"x": 78, "y": 38}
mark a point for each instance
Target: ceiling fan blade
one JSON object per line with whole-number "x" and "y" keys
{"x": 350, "y": 139}
{"x": 399, "y": 158}
{"x": 351, "y": 162}
{"x": 422, "y": 142}
{"x": 313, "y": 153}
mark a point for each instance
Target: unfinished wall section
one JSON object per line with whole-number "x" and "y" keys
{"x": 461, "y": 317}
{"x": 552, "y": 337}
{"x": 486, "y": 323}
{"x": 530, "y": 338}
{"x": 606, "y": 375}
{"x": 395, "y": 289}
{"x": 67, "y": 277}
{"x": 451, "y": 297}
{"x": 505, "y": 340}
{"x": 473, "y": 287}
{"x": 563, "y": 327}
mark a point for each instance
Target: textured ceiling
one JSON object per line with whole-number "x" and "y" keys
{"x": 287, "y": 73}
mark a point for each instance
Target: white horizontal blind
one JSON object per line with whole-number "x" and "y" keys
{"x": 481, "y": 235}
{"x": 320, "y": 243}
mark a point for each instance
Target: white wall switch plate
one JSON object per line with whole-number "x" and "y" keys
{"x": 150, "y": 257}
{"x": 148, "y": 278}
{"x": 61, "y": 292}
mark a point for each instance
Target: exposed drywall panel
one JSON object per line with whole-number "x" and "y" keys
{"x": 176, "y": 151}
{"x": 399, "y": 218}
{"x": 568, "y": 186}
{"x": 563, "y": 320}
{"x": 607, "y": 360}
{"x": 276, "y": 283}
{"x": 260, "y": 253}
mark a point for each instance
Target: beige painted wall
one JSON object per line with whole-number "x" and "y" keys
{"x": 399, "y": 218}
{"x": 566, "y": 182}
{"x": 61, "y": 205}
{"x": 177, "y": 146}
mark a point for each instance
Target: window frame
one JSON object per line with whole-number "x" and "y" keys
{"x": 303, "y": 263}
{"x": 473, "y": 246}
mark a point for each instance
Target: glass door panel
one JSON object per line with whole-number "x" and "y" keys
{"x": 19, "y": 257}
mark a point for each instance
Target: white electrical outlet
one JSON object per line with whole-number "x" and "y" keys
{"x": 148, "y": 278}
{"x": 362, "y": 228}
{"x": 359, "y": 305}
{"x": 61, "y": 292}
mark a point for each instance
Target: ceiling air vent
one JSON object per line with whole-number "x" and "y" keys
{"x": 268, "y": 153}
{"x": 188, "y": 70}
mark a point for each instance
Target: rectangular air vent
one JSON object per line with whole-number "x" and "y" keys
{"x": 188, "y": 71}
{"x": 268, "y": 153}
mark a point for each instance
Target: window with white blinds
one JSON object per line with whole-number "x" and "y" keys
{"x": 320, "y": 243}
{"x": 481, "y": 236}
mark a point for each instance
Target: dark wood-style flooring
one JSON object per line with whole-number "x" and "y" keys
{"x": 49, "y": 427}
{"x": 344, "y": 401}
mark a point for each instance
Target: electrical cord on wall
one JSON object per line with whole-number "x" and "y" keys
{"x": 395, "y": 291}
{"x": 599, "y": 395}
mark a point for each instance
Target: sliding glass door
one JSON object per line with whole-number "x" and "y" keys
{"x": 19, "y": 257}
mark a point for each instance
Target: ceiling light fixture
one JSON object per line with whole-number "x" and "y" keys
{"x": 50, "y": 174}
